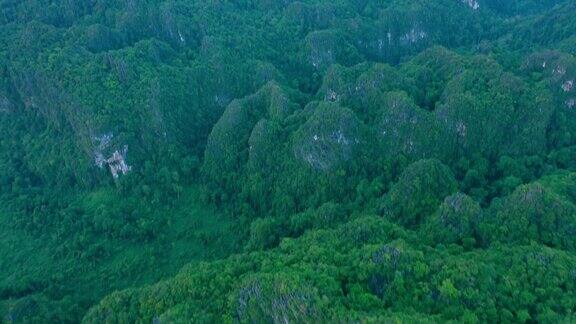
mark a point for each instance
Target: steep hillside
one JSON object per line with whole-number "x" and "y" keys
{"x": 287, "y": 161}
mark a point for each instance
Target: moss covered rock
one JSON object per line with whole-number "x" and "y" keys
{"x": 420, "y": 190}
{"x": 331, "y": 137}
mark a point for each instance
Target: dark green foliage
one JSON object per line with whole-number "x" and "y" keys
{"x": 419, "y": 191}
{"x": 331, "y": 137}
{"x": 455, "y": 221}
{"x": 316, "y": 278}
{"x": 264, "y": 234}
{"x": 515, "y": 7}
{"x": 533, "y": 213}
{"x": 326, "y": 216}
{"x": 311, "y": 161}
{"x": 409, "y": 130}
{"x": 235, "y": 132}
{"x": 276, "y": 298}
{"x": 514, "y": 119}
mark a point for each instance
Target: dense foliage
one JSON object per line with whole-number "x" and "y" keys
{"x": 287, "y": 161}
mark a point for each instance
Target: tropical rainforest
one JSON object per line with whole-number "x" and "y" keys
{"x": 283, "y": 161}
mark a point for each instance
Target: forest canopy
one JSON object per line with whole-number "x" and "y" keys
{"x": 258, "y": 161}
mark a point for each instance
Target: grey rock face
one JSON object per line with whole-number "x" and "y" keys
{"x": 116, "y": 162}
{"x": 5, "y": 105}
{"x": 329, "y": 138}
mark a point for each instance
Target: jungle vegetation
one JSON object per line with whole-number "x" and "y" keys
{"x": 281, "y": 161}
